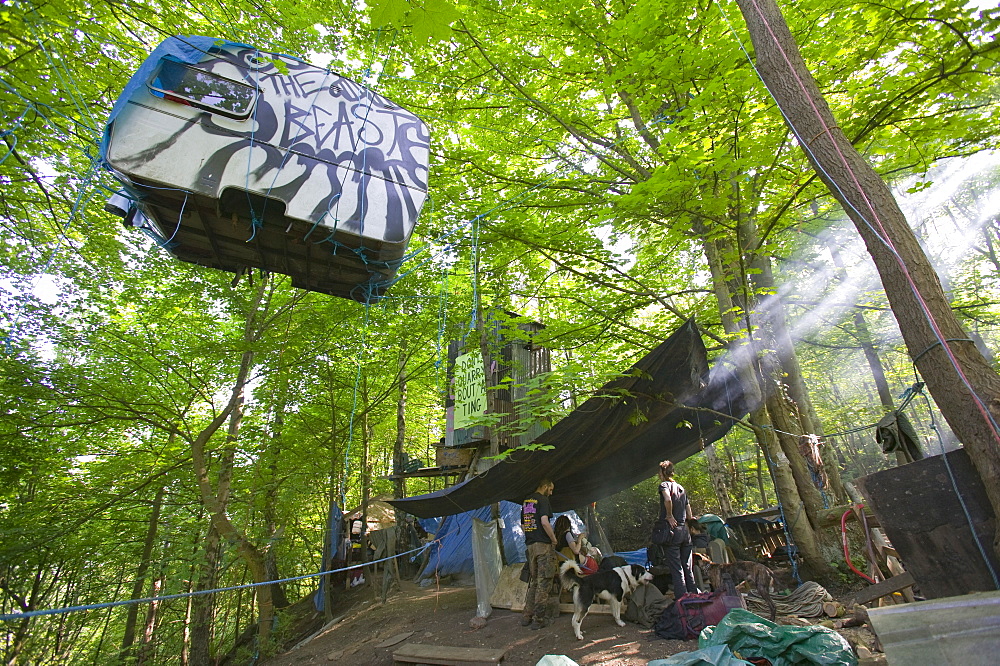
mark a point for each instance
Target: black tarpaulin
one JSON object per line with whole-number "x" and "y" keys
{"x": 615, "y": 439}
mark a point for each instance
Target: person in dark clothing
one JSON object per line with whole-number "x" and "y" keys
{"x": 699, "y": 537}
{"x": 674, "y": 508}
{"x": 540, "y": 542}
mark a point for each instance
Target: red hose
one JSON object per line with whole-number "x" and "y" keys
{"x": 843, "y": 540}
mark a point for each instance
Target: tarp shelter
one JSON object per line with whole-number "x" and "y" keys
{"x": 617, "y": 437}
{"x": 379, "y": 515}
{"x": 451, "y": 553}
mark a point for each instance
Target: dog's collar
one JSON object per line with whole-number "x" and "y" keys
{"x": 628, "y": 580}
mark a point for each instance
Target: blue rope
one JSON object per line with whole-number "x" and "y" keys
{"x": 785, "y": 527}
{"x": 11, "y": 617}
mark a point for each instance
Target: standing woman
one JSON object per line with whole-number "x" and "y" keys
{"x": 674, "y": 508}
{"x": 566, "y": 544}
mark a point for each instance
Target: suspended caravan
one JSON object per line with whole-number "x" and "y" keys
{"x": 234, "y": 158}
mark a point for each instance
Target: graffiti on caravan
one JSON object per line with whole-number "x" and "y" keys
{"x": 358, "y": 138}
{"x": 381, "y": 124}
{"x": 470, "y": 389}
{"x": 336, "y": 153}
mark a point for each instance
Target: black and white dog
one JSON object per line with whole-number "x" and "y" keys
{"x": 610, "y": 586}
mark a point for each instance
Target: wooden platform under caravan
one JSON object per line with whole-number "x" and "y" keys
{"x": 234, "y": 158}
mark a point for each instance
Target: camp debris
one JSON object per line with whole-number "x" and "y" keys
{"x": 234, "y": 158}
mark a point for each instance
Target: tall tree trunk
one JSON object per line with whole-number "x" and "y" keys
{"x": 140, "y": 573}
{"x": 794, "y": 510}
{"x": 272, "y": 453}
{"x": 147, "y": 647}
{"x": 780, "y": 416}
{"x": 717, "y": 473}
{"x": 203, "y": 605}
{"x": 760, "y": 478}
{"x": 215, "y": 502}
{"x": 329, "y": 546}
{"x": 964, "y": 385}
{"x": 788, "y": 401}
{"x": 864, "y": 337}
{"x": 398, "y": 453}
{"x": 398, "y": 463}
{"x": 366, "y": 476}
{"x": 17, "y": 643}
{"x": 784, "y": 484}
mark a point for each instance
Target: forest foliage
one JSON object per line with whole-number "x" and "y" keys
{"x": 584, "y": 156}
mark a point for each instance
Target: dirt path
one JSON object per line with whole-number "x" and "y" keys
{"x": 442, "y": 617}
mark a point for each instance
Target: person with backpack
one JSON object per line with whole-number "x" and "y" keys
{"x": 676, "y": 550}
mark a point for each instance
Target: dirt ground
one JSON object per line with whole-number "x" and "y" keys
{"x": 367, "y": 632}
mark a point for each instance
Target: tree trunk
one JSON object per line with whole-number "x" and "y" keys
{"x": 717, "y": 473}
{"x": 962, "y": 382}
{"x": 784, "y": 485}
{"x": 787, "y": 400}
{"x": 398, "y": 453}
{"x": 147, "y": 648}
{"x": 398, "y": 463}
{"x": 864, "y": 337}
{"x": 140, "y": 574}
{"x": 15, "y": 644}
{"x": 203, "y": 605}
{"x": 793, "y": 509}
{"x": 366, "y": 477}
{"x": 272, "y": 453}
{"x": 214, "y": 502}
{"x": 760, "y": 478}
{"x": 329, "y": 547}
{"x": 781, "y": 419}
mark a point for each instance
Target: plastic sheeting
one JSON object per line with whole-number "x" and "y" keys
{"x": 334, "y": 545}
{"x": 601, "y": 448}
{"x": 454, "y": 554}
{"x": 635, "y": 556}
{"x": 486, "y": 558}
{"x": 187, "y": 49}
{"x": 752, "y": 636}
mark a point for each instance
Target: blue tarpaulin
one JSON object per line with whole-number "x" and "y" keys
{"x": 336, "y": 519}
{"x": 451, "y": 553}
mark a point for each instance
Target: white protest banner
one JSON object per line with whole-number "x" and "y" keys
{"x": 470, "y": 389}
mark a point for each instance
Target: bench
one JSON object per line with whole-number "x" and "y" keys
{"x": 421, "y": 653}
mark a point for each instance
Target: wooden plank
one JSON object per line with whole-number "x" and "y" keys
{"x": 882, "y": 544}
{"x": 510, "y": 591}
{"x": 881, "y": 589}
{"x": 448, "y": 470}
{"x": 831, "y": 517}
{"x": 448, "y": 655}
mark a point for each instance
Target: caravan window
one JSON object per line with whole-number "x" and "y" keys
{"x": 184, "y": 84}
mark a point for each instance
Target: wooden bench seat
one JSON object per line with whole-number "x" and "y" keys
{"x": 421, "y": 653}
